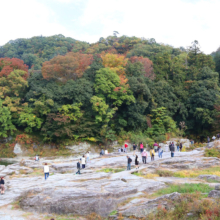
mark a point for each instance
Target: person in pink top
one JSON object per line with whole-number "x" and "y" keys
{"x": 144, "y": 156}
{"x": 141, "y": 147}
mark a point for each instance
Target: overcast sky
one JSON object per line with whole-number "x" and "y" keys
{"x": 174, "y": 22}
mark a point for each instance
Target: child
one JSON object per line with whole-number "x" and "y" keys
{"x": 78, "y": 167}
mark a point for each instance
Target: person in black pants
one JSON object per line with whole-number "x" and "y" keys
{"x": 78, "y": 167}
{"x": 136, "y": 162}
{"x": 2, "y": 185}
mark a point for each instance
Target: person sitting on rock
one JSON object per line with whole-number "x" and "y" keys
{"x": 102, "y": 152}
{"x": 78, "y": 167}
{"x": 2, "y": 185}
{"x": 46, "y": 171}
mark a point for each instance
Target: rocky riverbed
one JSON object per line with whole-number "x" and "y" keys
{"x": 94, "y": 191}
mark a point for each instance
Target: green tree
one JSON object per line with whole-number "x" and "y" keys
{"x": 6, "y": 126}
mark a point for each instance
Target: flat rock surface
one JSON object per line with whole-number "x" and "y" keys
{"x": 93, "y": 191}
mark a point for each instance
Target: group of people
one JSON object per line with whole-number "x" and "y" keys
{"x": 213, "y": 137}
{"x": 85, "y": 159}
{"x": 153, "y": 150}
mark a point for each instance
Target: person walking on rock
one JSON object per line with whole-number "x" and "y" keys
{"x": 102, "y": 152}
{"x": 152, "y": 153}
{"x": 83, "y": 161}
{"x": 136, "y": 162}
{"x": 134, "y": 148}
{"x": 178, "y": 146}
{"x": 46, "y": 171}
{"x": 208, "y": 139}
{"x": 2, "y": 185}
{"x": 155, "y": 147}
{"x": 141, "y": 147}
{"x": 129, "y": 163}
{"x": 213, "y": 138}
{"x": 87, "y": 157}
{"x": 181, "y": 146}
{"x": 160, "y": 152}
{"x": 172, "y": 150}
{"x": 144, "y": 156}
{"x": 126, "y": 147}
{"x": 78, "y": 167}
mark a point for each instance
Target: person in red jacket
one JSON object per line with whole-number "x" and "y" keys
{"x": 126, "y": 146}
{"x": 141, "y": 147}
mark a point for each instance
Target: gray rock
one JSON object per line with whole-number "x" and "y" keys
{"x": 2, "y": 167}
{"x": 217, "y": 187}
{"x": 214, "y": 194}
{"x": 17, "y": 149}
{"x": 141, "y": 210}
{"x": 209, "y": 177}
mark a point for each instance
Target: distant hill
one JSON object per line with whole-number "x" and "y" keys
{"x": 36, "y": 50}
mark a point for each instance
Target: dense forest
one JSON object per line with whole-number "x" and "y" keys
{"x": 59, "y": 88}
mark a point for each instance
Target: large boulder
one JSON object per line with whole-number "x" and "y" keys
{"x": 74, "y": 200}
{"x": 17, "y": 149}
{"x": 141, "y": 210}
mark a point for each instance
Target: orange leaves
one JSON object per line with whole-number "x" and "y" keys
{"x": 117, "y": 63}
{"x": 8, "y": 65}
{"x": 70, "y": 66}
{"x": 147, "y": 64}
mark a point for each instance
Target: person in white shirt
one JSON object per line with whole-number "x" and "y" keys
{"x": 46, "y": 171}
{"x": 106, "y": 151}
{"x": 83, "y": 162}
{"x": 37, "y": 158}
{"x": 213, "y": 138}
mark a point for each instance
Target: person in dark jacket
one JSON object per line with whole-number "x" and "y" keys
{"x": 136, "y": 162}
{"x": 181, "y": 146}
{"x": 78, "y": 167}
{"x": 129, "y": 163}
{"x": 2, "y": 185}
{"x": 172, "y": 150}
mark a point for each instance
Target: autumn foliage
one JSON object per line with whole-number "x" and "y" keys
{"x": 147, "y": 65}
{"x": 117, "y": 63}
{"x": 70, "y": 66}
{"x": 7, "y": 65}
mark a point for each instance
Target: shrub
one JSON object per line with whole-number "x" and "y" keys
{"x": 212, "y": 152}
{"x": 164, "y": 173}
{"x": 185, "y": 188}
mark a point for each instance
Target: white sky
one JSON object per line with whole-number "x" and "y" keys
{"x": 174, "y": 22}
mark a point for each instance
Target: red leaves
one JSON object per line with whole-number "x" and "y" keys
{"x": 70, "y": 66}
{"x": 7, "y": 65}
{"x": 147, "y": 64}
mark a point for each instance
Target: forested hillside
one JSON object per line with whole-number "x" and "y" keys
{"x": 59, "y": 88}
